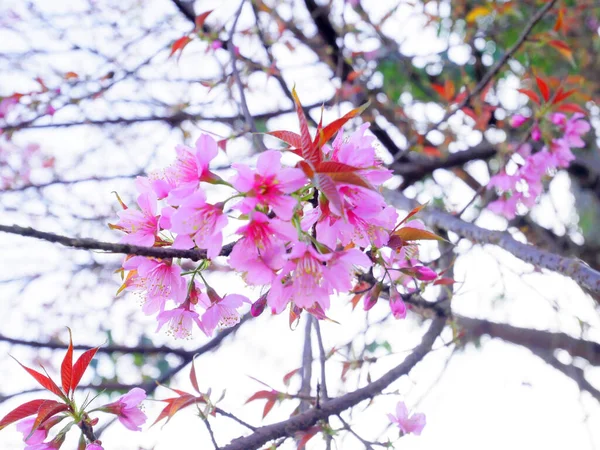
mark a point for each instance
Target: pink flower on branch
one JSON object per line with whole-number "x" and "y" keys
{"x": 222, "y": 312}
{"x": 140, "y": 225}
{"x": 260, "y": 253}
{"x": 199, "y": 223}
{"x": 127, "y": 409}
{"x": 158, "y": 280}
{"x": 270, "y": 185}
{"x": 407, "y": 424}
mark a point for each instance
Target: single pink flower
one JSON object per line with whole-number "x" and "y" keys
{"x": 222, "y": 312}
{"x": 413, "y": 424}
{"x": 270, "y": 185}
{"x": 561, "y": 153}
{"x": 302, "y": 280}
{"x": 506, "y": 207}
{"x": 37, "y": 437}
{"x": 127, "y": 409}
{"x": 190, "y": 168}
{"x": 199, "y": 223}
{"x": 517, "y": 120}
{"x": 359, "y": 151}
{"x": 576, "y": 127}
{"x": 260, "y": 253}
{"x": 181, "y": 321}
{"x": 158, "y": 280}
{"x": 558, "y": 119}
{"x": 94, "y": 446}
{"x": 397, "y": 305}
{"x": 503, "y": 182}
{"x": 140, "y": 225}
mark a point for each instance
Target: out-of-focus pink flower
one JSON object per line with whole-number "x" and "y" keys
{"x": 6, "y": 104}
{"x": 517, "y": 120}
{"x": 506, "y": 207}
{"x": 536, "y": 133}
{"x": 37, "y": 437}
{"x": 562, "y": 153}
{"x": 127, "y": 409}
{"x": 576, "y": 127}
{"x": 503, "y": 182}
{"x": 269, "y": 185}
{"x": 94, "y": 446}
{"x": 140, "y": 225}
{"x": 413, "y": 424}
{"x": 200, "y": 223}
{"x": 261, "y": 250}
{"x": 221, "y": 312}
{"x": 158, "y": 280}
{"x": 216, "y": 44}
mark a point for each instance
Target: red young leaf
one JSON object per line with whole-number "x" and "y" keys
{"x": 543, "y": 87}
{"x": 412, "y": 213}
{"x": 22, "y": 411}
{"x": 261, "y": 395}
{"x": 44, "y": 381}
{"x": 444, "y": 281}
{"x": 571, "y": 107}
{"x": 288, "y": 376}
{"x": 81, "y": 365}
{"x": 330, "y": 130}
{"x": 351, "y": 178}
{"x": 201, "y": 18}
{"x": 310, "y": 152}
{"x": 193, "y": 378}
{"x": 532, "y": 95}
{"x": 561, "y": 95}
{"x": 48, "y": 409}
{"x": 326, "y": 185}
{"x": 268, "y": 407}
{"x": 180, "y": 44}
{"x": 66, "y": 368}
{"x": 333, "y": 167}
{"x": 174, "y": 405}
{"x": 289, "y": 137}
{"x": 306, "y": 436}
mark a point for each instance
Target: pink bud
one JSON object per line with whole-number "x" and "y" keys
{"x": 517, "y": 120}
{"x": 536, "y": 133}
{"x": 258, "y": 306}
{"x": 425, "y": 273}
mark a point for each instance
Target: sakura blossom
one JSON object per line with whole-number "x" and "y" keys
{"x": 413, "y": 423}
{"x": 127, "y": 409}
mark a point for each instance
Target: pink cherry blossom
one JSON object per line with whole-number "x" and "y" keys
{"x": 158, "y": 280}
{"x": 413, "y": 424}
{"x": 503, "y": 182}
{"x": 222, "y": 312}
{"x": 517, "y": 120}
{"x": 126, "y": 408}
{"x": 199, "y": 223}
{"x": 190, "y": 168}
{"x": 140, "y": 225}
{"x": 506, "y": 207}
{"x": 94, "y": 446}
{"x": 576, "y": 127}
{"x": 269, "y": 185}
{"x": 359, "y": 152}
{"x": 397, "y": 305}
{"x": 561, "y": 153}
{"x": 181, "y": 321}
{"x": 260, "y": 253}
{"x": 37, "y": 437}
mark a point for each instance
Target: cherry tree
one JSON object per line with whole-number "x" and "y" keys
{"x": 369, "y": 191}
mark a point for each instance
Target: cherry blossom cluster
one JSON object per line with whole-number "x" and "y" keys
{"x": 524, "y": 184}
{"x": 307, "y": 233}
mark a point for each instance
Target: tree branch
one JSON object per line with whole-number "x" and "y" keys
{"x": 109, "y": 247}
{"x": 333, "y": 407}
{"x": 575, "y": 269}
